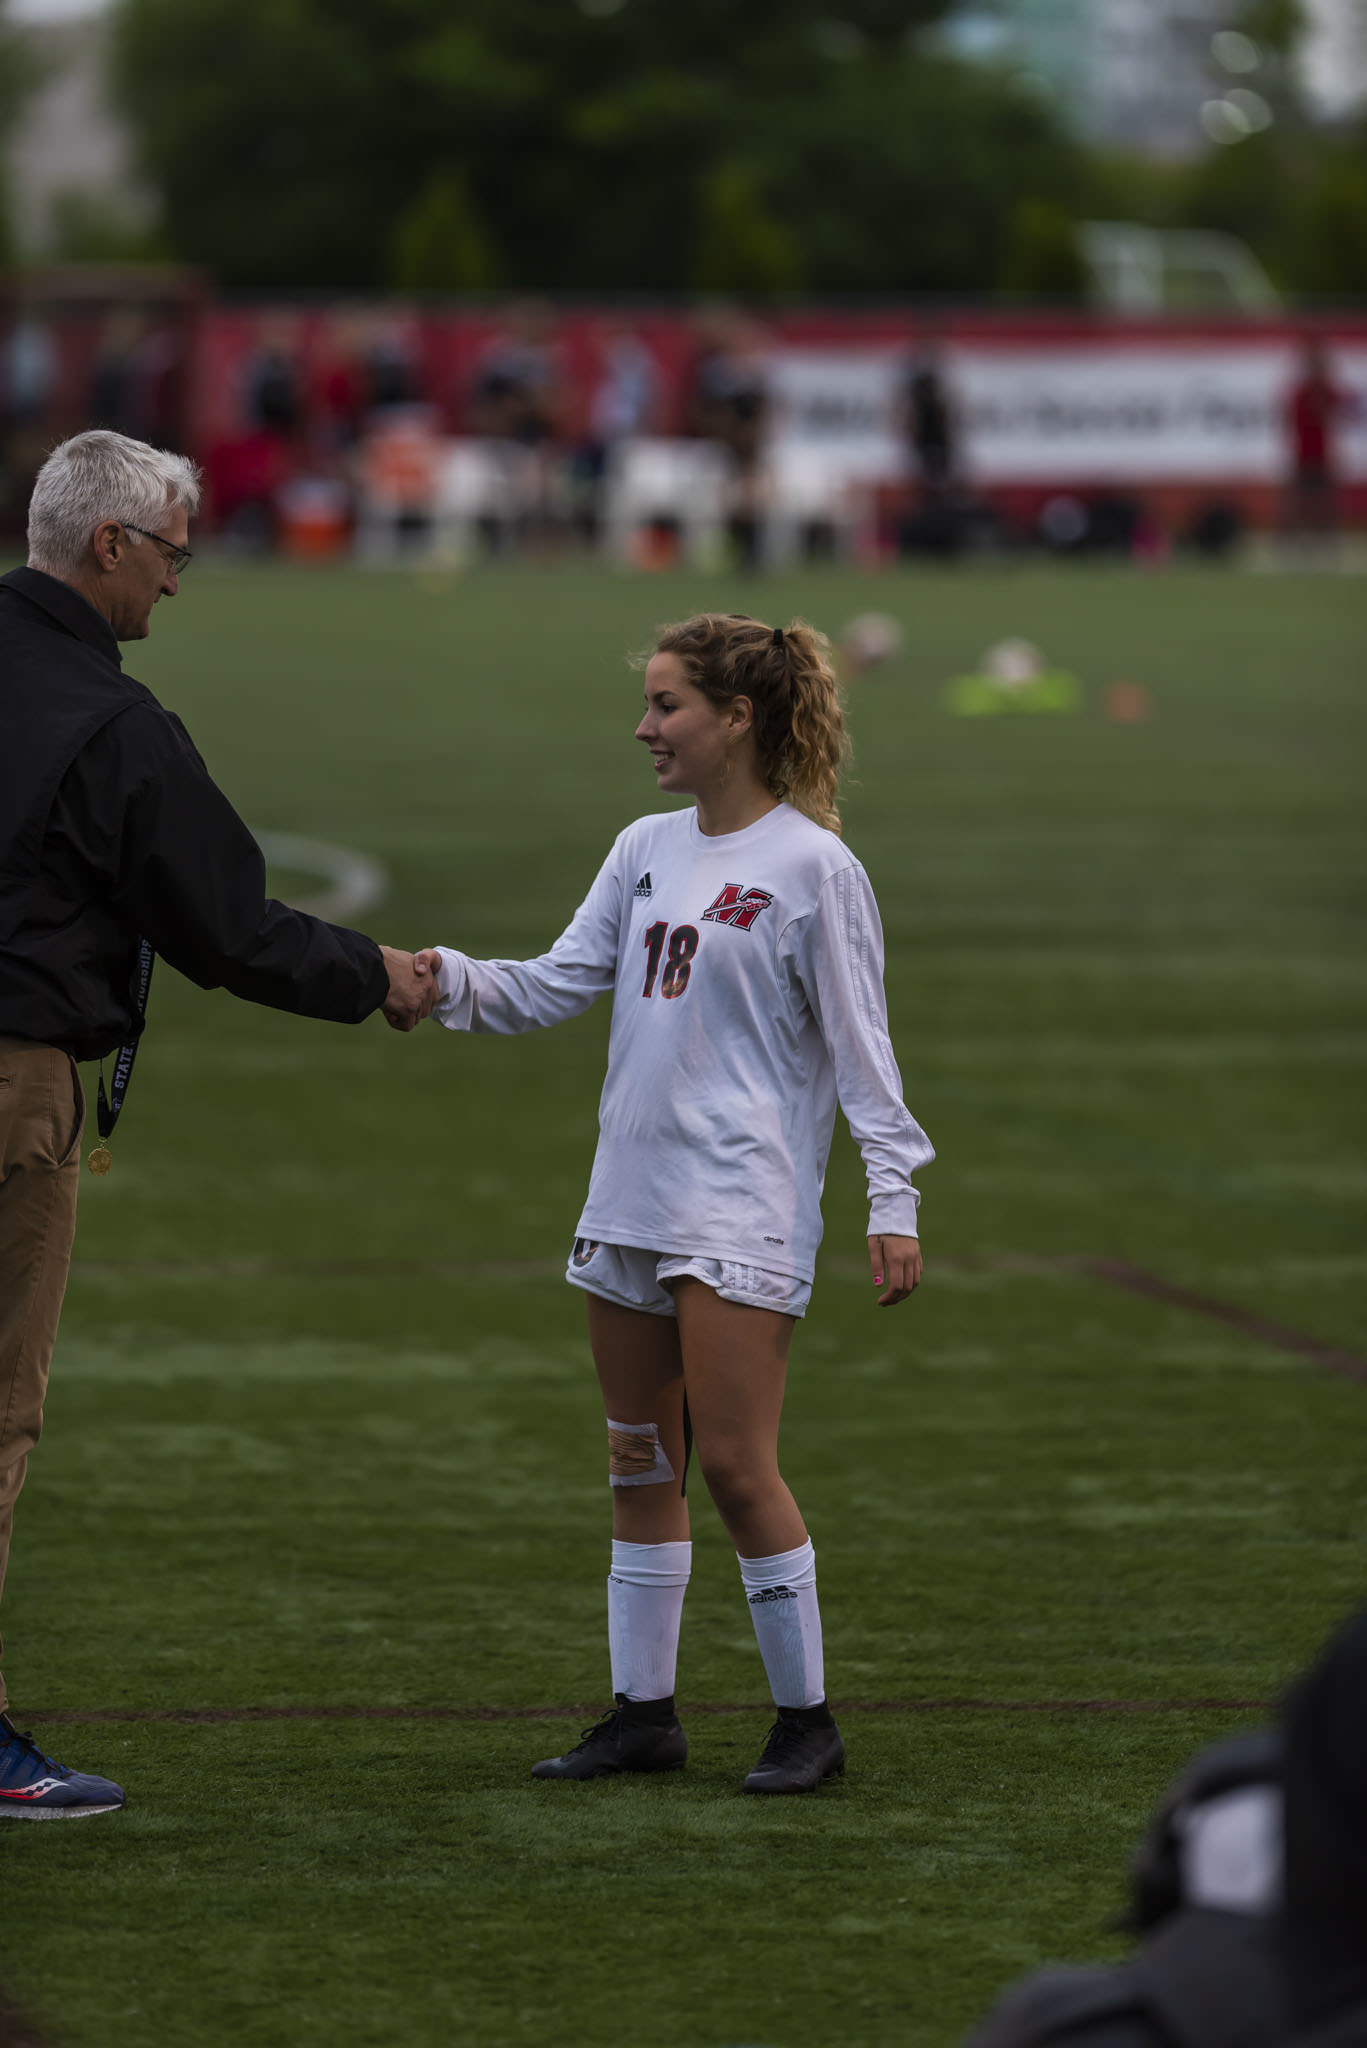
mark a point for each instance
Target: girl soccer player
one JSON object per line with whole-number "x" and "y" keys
{"x": 742, "y": 945}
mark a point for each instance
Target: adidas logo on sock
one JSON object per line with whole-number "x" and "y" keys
{"x": 770, "y": 1594}
{"x": 644, "y": 886}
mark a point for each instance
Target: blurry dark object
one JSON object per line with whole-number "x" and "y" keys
{"x": 730, "y": 395}
{"x": 111, "y": 401}
{"x": 273, "y": 400}
{"x": 1216, "y": 530}
{"x": 930, "y": 427}
{"x": 729, "y": 404}
{"x": 391, "y": 373}
{"x": 135, "y": 378}
{"x": 934, "y": 527}
{"x": 1115, "y": 521}
{"x": 954, "y": 523}
{"x": 1326, "y": 1842}
{"x": 1250, "y": 1893}
{"x": 1104, "y": 523}
{"x": 516, "y": 395}
{"x": 937, "y": 524}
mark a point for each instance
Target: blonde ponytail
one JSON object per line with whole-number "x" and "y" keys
{"x": 818, "y": 750}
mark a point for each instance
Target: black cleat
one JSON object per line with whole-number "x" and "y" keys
{"x": 803, "y": 1747}
{"x": 635, "y": 1735}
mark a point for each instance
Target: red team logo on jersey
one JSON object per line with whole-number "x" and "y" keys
{"x": 738, "y": 906}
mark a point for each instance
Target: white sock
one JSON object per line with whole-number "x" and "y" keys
{"x": 782, "y": 1595}
{"x": 646, "y": 1589}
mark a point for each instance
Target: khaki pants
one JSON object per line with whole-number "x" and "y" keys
{"x": 41, "y": 1113}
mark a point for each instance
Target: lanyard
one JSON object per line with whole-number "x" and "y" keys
{"x": 108, "y": 1107}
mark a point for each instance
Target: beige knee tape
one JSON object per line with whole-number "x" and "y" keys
{"x": 635, "y": 1455}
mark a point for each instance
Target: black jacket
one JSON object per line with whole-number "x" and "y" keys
{"x": 111, "y": 830}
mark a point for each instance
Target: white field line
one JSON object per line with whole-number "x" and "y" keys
{"x": 354, "y": 882}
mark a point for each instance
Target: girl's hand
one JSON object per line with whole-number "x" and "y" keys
{"x": 896, "y": 1263}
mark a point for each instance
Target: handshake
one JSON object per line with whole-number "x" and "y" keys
{"x": 413, "y": 991}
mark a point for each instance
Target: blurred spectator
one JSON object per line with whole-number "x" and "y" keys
{"x": 518, "y": 396}
{"x": 932, "y": 428}
{"x": 935, "y": 524}
{"x": 517, "y": 392}
{"x": 272, "y": 394}
{"x": 626, "y": 398}
{"x": 730, "y": 384}
{"x": 339, "y": 387}
{"x": 391, "y": 376}
{"x": 1314, "y": 407}
{"x": 245, "y": 475}
{"x": 135, "y": 377}
{"x": 111, "y": 399}
{"x": 247, "y": 471}
{"x": 398, "y": 466}
{"x": 28, "y": 383}
{"x": 157, "y": 367}
{"x": 729, "y": 403}
{"x": 30, "y": 373}
{"x": 623, "y": 405}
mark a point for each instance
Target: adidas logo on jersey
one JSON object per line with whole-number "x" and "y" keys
{"x": 644, "y": 887}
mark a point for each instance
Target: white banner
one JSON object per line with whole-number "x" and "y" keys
{"x": 845, "y": 404}
{"x": 1084, "y": 413}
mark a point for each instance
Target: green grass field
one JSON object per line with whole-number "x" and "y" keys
{"x": 323, "y": 1432}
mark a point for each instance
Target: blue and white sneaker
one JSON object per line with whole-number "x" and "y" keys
{"x": 33, "y": 1787}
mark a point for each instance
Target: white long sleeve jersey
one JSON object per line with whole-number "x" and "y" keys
{"x": 747, "y": 980}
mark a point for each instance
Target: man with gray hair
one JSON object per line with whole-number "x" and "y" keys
{"x": 115, "y": 846}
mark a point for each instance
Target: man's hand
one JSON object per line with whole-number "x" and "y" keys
{"x": 896, "y": 1263}
{"x": 413, "y": 989}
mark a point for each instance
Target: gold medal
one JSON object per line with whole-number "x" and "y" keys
{"x": 100, "y": 1160}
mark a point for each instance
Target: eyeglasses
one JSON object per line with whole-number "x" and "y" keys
{"x": 176, "y": 558}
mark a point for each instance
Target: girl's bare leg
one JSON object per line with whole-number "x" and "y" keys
{"x": 735, "y": 1366}
{"x": 640, "y": 1371}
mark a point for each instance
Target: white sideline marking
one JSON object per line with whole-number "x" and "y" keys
{"x": 356, "y": 882}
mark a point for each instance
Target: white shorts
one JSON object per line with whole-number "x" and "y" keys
{"x": 640, "y": 1279}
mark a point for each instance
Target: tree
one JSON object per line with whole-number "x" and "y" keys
{"x": 440, "y": 243}
{"x": 647, "y": 147}
{"x": 20, "y": 71}
{"x": 1043, "y": 258}
{"x": 1330, "y": 249}
{"x": 742, "y": 245}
